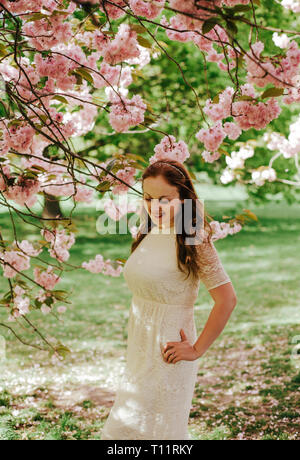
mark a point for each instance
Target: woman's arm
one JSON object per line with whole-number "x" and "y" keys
{"x": 225, "y": 300}
{"x": 218, "y": 284}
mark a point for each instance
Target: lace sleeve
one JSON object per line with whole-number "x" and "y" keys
{"x": 212, "y": 272}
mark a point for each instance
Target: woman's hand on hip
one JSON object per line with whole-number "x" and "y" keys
{"x": 177, "y": 351}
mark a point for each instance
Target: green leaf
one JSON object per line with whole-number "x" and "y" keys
{"x": 84, "y": 73}
{"x": 144, "y": 42}
{"x": 138, "y": 28}
{"x": 239, "y": 8}
{"x": 62, "y": 350}
{"x": 231, "y": 27}
{"x": 36, "y": 17}
{"x": 216, "y": 99}
{"x": 4, "y": 109}
{"x": 149, "y": 119}
{"x": 250, "y": 214}
{"x": 49, "y": 301}
{"x": 272, "y": 92}
{"x": 39, "y": 168}
{"x": 3, "y": 50}
{"x": 244, "y": 97}
{"x": 209, "y": 24}
{"x": 224, "y": 152}
{"x": 60, "y": 292}
{"x": 60, "y": 98}
{"x": 104, "y": 186}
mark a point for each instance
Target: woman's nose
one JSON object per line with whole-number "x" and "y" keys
{"x": 155, "y": 205}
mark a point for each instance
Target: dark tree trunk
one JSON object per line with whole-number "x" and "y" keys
{"x": 51, "y": 207}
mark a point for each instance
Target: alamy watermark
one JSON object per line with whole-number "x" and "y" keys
{"x": 186, "y": 216}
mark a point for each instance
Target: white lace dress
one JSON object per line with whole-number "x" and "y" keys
{"x": 153, "y": 398}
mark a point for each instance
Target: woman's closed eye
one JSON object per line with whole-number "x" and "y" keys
{"x": 162, "y": 200}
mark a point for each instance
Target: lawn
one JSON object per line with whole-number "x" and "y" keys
{"x": 248, "y": 381}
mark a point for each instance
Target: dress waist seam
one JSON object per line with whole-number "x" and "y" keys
{"x": 144, "y": 299}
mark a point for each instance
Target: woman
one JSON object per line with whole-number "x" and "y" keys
{"x": 164, "y": 270}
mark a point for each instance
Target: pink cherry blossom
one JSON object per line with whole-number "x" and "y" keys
{"x": 94, "y": 265}
{"x": 232, "y": 130}
{"x": 60, "y": 242}
{"x": 17, "y": 260}
{"x": 169, "y": 148}
{"x": 23, "y": 191}
{"x": 127, "y": 175}
{"x": 46, "y": 278}
{"x": 18, "y": 138}
{"x": 45, "y": 309}
{"x": 22, "y": 304}
{"x": 28, "y": 248}
{"x": 48, "y": 32}
{"x": 147, "y": 9}
{"x": 123, "y": 46}
{"x": 249, "y": 115}
{"x": 115, "y": 210}
{"x": 220, "y": 110}
{"x": 112, "y": 11}
{"x": 210, "y": 157}
{"x": 212, "y": 137}
{"x": 126, "y": 112}
{"x": 109, "y": 270}
{"x": 18, "y": 290}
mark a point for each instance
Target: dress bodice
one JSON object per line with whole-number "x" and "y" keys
{"x": 151, "y": 270}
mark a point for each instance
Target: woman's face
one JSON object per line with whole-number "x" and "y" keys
{"x": 161, "y": 201}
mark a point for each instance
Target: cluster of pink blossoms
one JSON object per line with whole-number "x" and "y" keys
{"x": 169, "y": 148}
{"x": 21, "y": 189}
{"x": 189, "y": 29}
{"x": 127, "y": 174}
{"x": 282, "y": 75}
{"x": 125, "y": 112}
{"x": 112, "y": 11}
{"x": 46, "y": 278}
{"x": 18, "y": 258}
{"x": 99, "y": 265}
{"x": 150, "y": 10}
{"x": 222, "y": 229}
{"x": 246, "y": 114}
{"x": 123, "y": 46}
{"x": 117, "y": 210}
{"x": 21, "y": 303}
{"x": 60, "y": 243}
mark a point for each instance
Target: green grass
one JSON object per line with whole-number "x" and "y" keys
{"x": 248, "y": 383}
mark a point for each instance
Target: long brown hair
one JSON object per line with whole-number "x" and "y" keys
{"x": 175, "y": 173}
